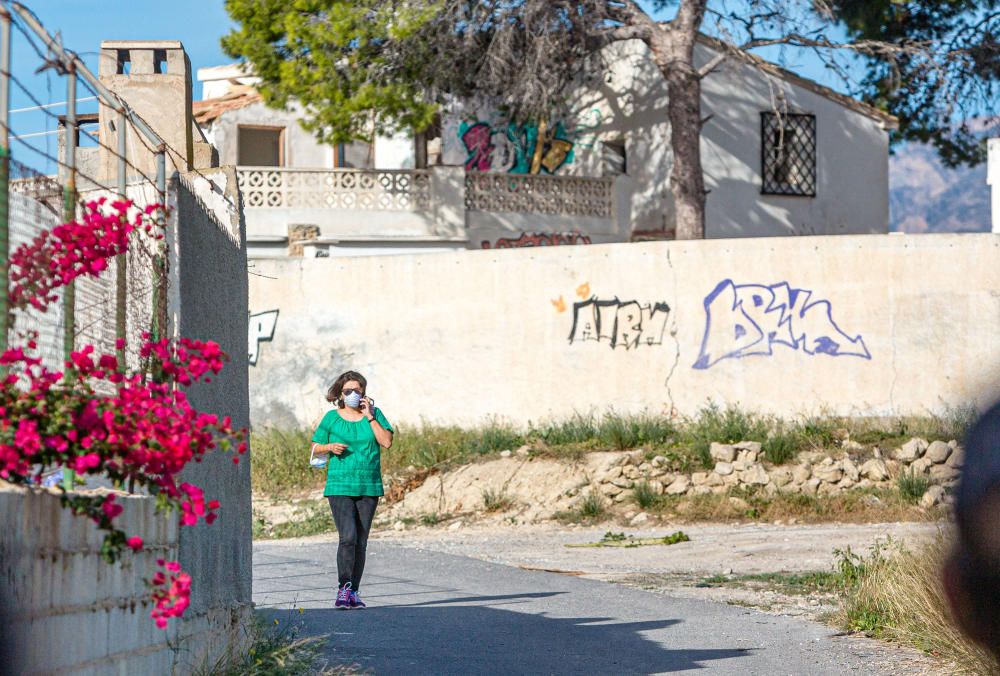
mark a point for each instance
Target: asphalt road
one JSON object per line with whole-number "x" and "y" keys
{"x": 433, "y": 613}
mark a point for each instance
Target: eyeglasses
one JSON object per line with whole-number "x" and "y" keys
{"x": 347, "y": 391}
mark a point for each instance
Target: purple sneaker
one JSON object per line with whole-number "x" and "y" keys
{"x": 356, "y": 601}
{"x": 344, "y": 597}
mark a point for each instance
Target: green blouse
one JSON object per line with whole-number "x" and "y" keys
{"x": 358, "y": 470}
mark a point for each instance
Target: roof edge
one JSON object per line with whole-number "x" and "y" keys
{"x": 889, "y": 121}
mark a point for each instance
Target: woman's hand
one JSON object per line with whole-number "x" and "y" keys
{"x": 336, "y": 448}
{"x": 368, "y": 408}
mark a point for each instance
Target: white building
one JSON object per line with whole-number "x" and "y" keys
{"x": 782, "y": 155}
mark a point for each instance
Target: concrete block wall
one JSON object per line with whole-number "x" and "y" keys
{"x": 69, "y": 612}
{"x": 880, "y": 324}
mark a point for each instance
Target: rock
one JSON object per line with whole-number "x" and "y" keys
{"x": 699, "y": 478}
{"x": 722, "y": 452}
{"x": 871, "y": 500}
{"x": 849, "y": 445}
{"x": 639, "y": 519}
{"x": 781, "y": 476}
{"x": 845, "y": 483}
{"x": 505, "y": 454}
{"x": 801, "y": 473}
{"x": 933, "y": 496}
{"x": 637, "y": 456}
{"x": 660, "y": 461}
{"x": 679, "y": 486}
{"x": 629, "y": 514}
{"x": 752, "y": 446}
{"x": 613, "y": 473}
{"x": 622, "y": 482}
{"x": 921, "y": 465}
{"x": 723, "y": 468}
{"x": 645, "y": 468}
{"x": 811, "y": 457}
{"x": 701, "y": 490}
{"x": 455, "y": 526}
{"x": 610, "y": 490}
{"x": 623, "y": 496}
{"x": 828, "y": 471}
{"x": 740, "y": 465}
{"x": 748, "y": 456}
{"x": 811, "y": 487}
{"x": 866, "y": 483}
{"x": 739, "y": 503}
{"x": 755, "y": 475}
{"x": 944, "y": 473}
{"x": 523, "y": 450}
{"x": 713, "y": 480}
{"x": 911, "y": 450}
{"x": 399, "y": 525}
{"x": 875, "y": 470}
{"x": 937, "y": 452}
{"x": 657, "y": 487}
{"x": 667, "y": 478}
{"x": 631, "y": 471}
{"x": 850, "y": 470}
{"x": 957, "y": 457}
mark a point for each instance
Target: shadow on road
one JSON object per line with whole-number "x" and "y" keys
{"x": 487, "y": 634}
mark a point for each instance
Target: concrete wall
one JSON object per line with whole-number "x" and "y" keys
{"x": 209, "y": 292}
{"x": 883, "y": 325}
{"x": 67, "y": 611}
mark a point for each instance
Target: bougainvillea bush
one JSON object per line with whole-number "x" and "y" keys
{"x": 136, "y": 428}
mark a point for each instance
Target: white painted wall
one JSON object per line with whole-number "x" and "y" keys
{"x": 463, "y": 337}
{"x": 993, "y": 179}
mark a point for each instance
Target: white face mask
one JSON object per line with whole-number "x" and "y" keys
{"x": 353, "y": 400}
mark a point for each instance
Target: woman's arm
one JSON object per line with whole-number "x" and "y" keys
{"x": 382, "y": 435}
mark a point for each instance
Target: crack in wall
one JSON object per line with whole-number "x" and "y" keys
{"x": 673, "y": 334}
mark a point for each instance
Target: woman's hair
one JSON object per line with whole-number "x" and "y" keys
{"x": 333, "y": 394}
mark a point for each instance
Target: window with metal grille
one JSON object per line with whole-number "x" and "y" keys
{"x": 788, "y": 154}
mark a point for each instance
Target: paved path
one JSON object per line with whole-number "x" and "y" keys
{"x": 434, "y": 613}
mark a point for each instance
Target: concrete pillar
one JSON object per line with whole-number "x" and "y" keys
{"x": 621, "y": 206}
{"x": 448, "y": 201}
{"x": 993, "y": 179}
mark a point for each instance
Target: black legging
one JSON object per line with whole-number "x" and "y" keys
{"x": 353, "y": 516}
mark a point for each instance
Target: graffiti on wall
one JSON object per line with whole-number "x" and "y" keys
{"x": 619, "y": 323}
{"x": 751, "y": 319}
{"x": 538, "y": 239}
{"x": 261, "y": 330}
{"x": 524, "y": 148}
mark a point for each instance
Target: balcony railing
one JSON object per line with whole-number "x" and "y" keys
{"x": 370, "y": 190}
{"x": 531, "y": 194}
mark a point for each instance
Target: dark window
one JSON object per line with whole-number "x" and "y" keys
{"x": 260, "y": 147}
{"x": 159, "y": 61}
{"x": 613, "y": 159}
{"x": 788, "y": 144}
{"x": 124, "y": 62}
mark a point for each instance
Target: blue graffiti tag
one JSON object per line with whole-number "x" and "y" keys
{"x": 749, "y": 319}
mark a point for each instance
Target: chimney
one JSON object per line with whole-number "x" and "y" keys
{"x": 154, "y": 78}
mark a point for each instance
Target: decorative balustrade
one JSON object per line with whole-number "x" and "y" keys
{"x": 523, "y": 193}
{"x": 369, "y": 190}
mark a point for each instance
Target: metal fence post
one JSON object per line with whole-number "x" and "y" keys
{"x": 159, "y": 260}
{"x": 69, "y": 208}
{"x": 121, "y": 264}
{"x": 5, "y": 323}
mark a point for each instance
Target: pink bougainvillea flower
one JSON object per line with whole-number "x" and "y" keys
{"x": 135, "y": 543}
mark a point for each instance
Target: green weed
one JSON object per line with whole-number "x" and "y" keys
{"x": 496, "y": 501}
{"x": 912, "y": 486}
{"x": 645, "y": 496}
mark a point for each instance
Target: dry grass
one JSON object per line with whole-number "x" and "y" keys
{"x": 898, "y": 596}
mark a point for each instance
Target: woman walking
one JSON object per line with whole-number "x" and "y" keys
{"x": 353, "y": 434}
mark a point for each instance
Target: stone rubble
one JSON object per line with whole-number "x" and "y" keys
{"x": 816, "y": 472}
